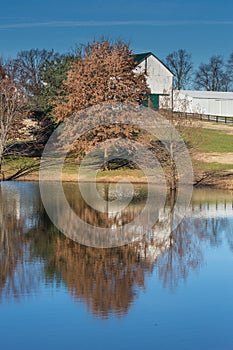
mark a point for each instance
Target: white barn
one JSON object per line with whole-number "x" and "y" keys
{"x": 159, "y": 77}
{"x": 204, "y": 102}
{"x": 160, "y": 81}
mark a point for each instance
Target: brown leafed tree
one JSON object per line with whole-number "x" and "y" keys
{"x": 2, "y": 71}
{"x": 104, "y": 73}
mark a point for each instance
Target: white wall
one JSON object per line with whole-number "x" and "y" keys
{"x": 159, "y": 78}
{"x": 204, "y": 102}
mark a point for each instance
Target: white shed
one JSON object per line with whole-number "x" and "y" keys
{"x": 204, "y": 102}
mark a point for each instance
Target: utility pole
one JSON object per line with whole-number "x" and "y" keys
{"x": 172, "y": 97}
{"x": 172, "y": 162}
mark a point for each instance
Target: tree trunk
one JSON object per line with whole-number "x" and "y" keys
{"x": 2, "y": 178}
{"x": 173, "y": 184}
{"x": 105, "y": 166}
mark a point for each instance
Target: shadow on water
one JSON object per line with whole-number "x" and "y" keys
{"x": 34, "y": 252}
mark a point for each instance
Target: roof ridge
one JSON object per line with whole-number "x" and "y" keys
{"x": 141, "y": 56}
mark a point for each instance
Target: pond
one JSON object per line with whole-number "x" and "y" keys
{"x": 162, "y": 291}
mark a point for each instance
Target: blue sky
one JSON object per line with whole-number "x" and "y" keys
{"x": 202, "y": 27}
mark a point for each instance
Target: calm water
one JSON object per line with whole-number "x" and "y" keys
{"x": 169, "y": 291}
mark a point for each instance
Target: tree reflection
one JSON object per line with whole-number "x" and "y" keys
{"x": 185, "y": 251}
{"x": 106, "y": 280}
{"x": 17, "y": 277}
{"x": 11, "y": 239}
{"x": 184, "y": 254}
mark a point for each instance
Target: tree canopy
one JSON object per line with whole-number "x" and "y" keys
{"x": 103, "y": 73}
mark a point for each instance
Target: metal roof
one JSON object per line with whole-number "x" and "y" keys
{"x": 138, "y": 58}
{"x": 141, "y": 56}
{"x": 216, "y": 95}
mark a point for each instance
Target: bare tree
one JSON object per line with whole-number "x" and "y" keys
{"x": 180, "y": 63}
{"x": 11, "y": 106}
{"x": 212, "y": 76}
{"x": 30, "y": 67}
{"x": 229, "y": 70}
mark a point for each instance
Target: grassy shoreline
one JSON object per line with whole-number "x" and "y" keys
{"x": 211, "y": 147}
{"x": 221, "y": 180}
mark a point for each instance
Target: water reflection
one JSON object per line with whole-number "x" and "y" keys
{"x": 106, "y": 280}
{"x": 110, "y": 225}
{"x": 33, "y": 252}
{"x": 18, "y": 213}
